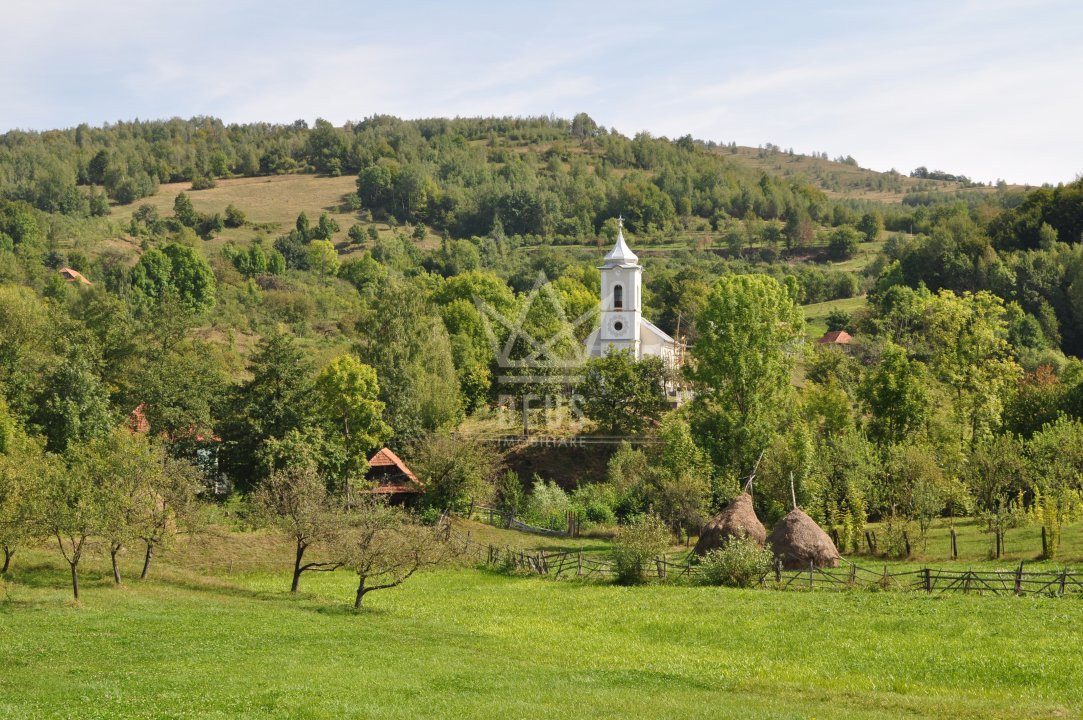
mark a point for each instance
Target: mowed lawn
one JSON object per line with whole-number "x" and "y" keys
{"x": 477, "y": 644}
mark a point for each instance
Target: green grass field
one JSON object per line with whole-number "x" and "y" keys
{"x": 201, "y": 639}
{"x": 816, "y": 313}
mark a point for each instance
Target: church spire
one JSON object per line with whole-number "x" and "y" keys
{"x": 621, "y": 254}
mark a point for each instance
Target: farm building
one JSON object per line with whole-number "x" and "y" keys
{"x": 73, "y": 276}
{"x": 393, "y": 478}
{"x": 836, "y": 337}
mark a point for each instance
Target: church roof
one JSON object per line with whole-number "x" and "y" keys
{"x": 663, "y": 336}
{"x": 621, "y": 254}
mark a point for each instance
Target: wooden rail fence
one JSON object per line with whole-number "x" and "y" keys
{"x": 577, "y": 564}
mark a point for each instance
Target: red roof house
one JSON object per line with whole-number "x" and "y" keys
{"x": 835, "y": 337}
{"x": 392, "y": 477}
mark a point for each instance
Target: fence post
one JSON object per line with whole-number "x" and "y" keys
{"x": 542, "y": 566}
{"x": 999, "y": 542}
{"x": 906, "y": 541}
{"x": 853, "y": 574}
{"x": 811, "y": 565}
{"x": 778, "y": 570}
{"x": 954, "y": 546}
{"x": 579, "y": 570}
{"x": 1019, "y": 579}
{"x": 660, "y": 564}
{"x": 1045, "y": 544}
{"x": 1063, "y": 578}
{"x": 928, "y": 580}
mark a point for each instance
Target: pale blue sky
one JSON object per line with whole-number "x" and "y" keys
{"x": 989, "y": 89}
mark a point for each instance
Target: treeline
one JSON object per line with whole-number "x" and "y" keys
{"x": 1029, "y": 255}
{"x": 544, "y": 177}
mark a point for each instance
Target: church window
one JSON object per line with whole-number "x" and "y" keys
{"x": 618, "y": 297}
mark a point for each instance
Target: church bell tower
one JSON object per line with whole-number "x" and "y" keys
{"x": 622, "y": 298}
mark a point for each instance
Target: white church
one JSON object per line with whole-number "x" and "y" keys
{"x": 623, "y": 327}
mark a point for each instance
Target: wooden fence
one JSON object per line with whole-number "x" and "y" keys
{"x": 577, "y": 564}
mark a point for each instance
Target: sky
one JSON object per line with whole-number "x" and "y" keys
{"x": 992, "y": 89}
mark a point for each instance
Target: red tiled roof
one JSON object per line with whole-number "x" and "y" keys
{"x": 405, "y": 482}
{"x": 386, "y": 457}
{"x": 836, "y": 337}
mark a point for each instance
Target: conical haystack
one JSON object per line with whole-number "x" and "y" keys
{"x": 738, "y": 519}
{"x": 798, "y": 540}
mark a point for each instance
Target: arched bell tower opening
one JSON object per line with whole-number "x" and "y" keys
{"x": 618, "y": 297}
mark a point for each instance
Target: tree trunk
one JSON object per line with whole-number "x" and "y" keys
{"x": 74, "y": 580}
{"x": 8, "y": 552}
{"x": 297, "y": 566}
{"x": 113, "y": 556}
{"x": 360, "y": 594}
{"x": 146, "y": 562}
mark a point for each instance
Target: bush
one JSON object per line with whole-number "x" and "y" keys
{"x": 508, "y": 494}
{"x": 356, "y": 234}
{"x": 840, "y": 320}
{"x": 595, "y": 503}
{"x": 740, "y": 562}
{"x": 842, "y": 243}
{"x": 635, "y": 546}
{"x": 430, "y": 516}
{"x": 203, "y": 182}
{"x": 235, "y": 217}
{"x": 548, "y": 505}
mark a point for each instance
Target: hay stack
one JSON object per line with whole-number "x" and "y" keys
{"x": 798, "y": 540}
{"x": 737, "y": 519}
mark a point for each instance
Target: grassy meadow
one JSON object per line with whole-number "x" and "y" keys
{"x": 213, "y": 634}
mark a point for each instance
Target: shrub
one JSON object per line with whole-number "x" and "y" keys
{"x": 356, "y": 234}
{"x": 203, "y": 182}
{"x": 508, "y": 494}
{"x": 548, "y": 505}
{"x": 430, "y": 516}
{"x": 842, "y": 243}
{"x": 840, "y": 320}
{"x": 740, "y": 562}
{"x": 595, "y": 502}
{"x": 235, "y": 217}
{"x": 635, "y": 545}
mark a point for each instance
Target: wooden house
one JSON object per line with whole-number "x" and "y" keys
{"x": 392, "y": 478}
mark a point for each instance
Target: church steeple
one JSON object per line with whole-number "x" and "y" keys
{"x": 622, "y": 298}
{"x": 621, "y": 254}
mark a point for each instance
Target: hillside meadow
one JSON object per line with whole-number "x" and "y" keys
{"x": 213, "y": 634}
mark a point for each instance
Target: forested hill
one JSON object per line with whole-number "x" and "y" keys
{"x": 238, "y": 282}
{"x": 543, "y": 176}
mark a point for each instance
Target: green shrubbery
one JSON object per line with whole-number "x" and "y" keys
{"x": 740, "y": 562}
{"x": 635, "y": 545}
